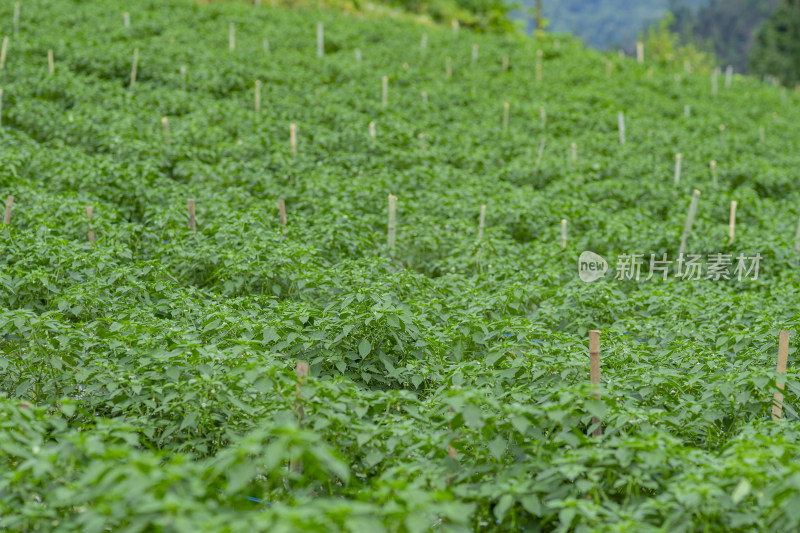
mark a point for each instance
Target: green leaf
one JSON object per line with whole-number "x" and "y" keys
{"x": 364, "y": 347}
{"x": 497, "y": 447}
{"x": 741, "y": 490}
{"x": 502, "y": 507}
{"x": 531, "y": 504}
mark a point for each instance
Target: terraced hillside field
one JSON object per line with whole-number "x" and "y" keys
{"x": 148, "y": 369}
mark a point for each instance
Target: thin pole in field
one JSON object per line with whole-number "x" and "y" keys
{"x": 231, "y": 37}
{"x": 190, "y": 208}
{"x": 761, "y": 134}
{"x": 126, "y": 19}
{"x": 474, "y": 53}
{"x": 421, "y": 138}
{"x": 165, "y": 126}
{"x": 293, "y": 138}
{"x": 456, "y": 26}
{"x": 687, "y": 229}
{"x": 574, "y": 149}
{"x": 563, "y": 233}
{"x": 640, "y": 52}
{"x": 301, "y": 371}
{"x": 621, "y": 126}
{"x": 258, "y": 96}
{"x": 135, "y": 67}
{"x": 89, "y": 222}
{"x": 9, "y": 205}
{"x": 481, "y": 222}
{"x": 183, "y": 77}
{"x": 505, "y": 116}
{"x": 423, "y": 42}
{"x": 783, "y": 354}
{"x": 678, "y": 158}
{"x": 1, "y": 108}
{"x": 538, "y": 66}
{"x": 594, "y": 373}
{"x": 543, "y": 116}
{"x": 797, "y": 237}
{"x": 320, "y": 39}
{"x": 265, "y": 45}
{"x": 687, "y": 110}
{"x": 51, "y": 67}
{"x": 541, "y": 152}
{"x": 732, "y": 225}
{"x": 372, "y": 133}
{"x": 713, "y": 165}
{"x": 391, "y": 229}
{"x": 3, "y": 52}
{"x": 728, "y": 76}
{"x": 385, "y": 91}
{"x": 358, "y": 55}
{"x": 16, "y": 18}
{"x": 282, "y": 211}
{"x": 424, "y": 97}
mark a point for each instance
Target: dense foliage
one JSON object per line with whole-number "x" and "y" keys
{"x": 147, "y": 378}
{"x": 776, "y": 50}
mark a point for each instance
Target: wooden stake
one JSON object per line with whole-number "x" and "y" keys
{"x": 391, "y": 233}
{"x": 423, "y": 43}
{"x": 183, "y": 78}
{"x": 16, "y": 18}
{"x": 574, "y": 149}
{"x": 687, "y": 229}
{"x": 505, "y": 116}
{"x": 135, "y": 67}
{"x": 165, "y": 126}
{"x": 713, "y": 165}
{"x": 687, "y": 110}
{"x": 265, "y": 45}
{"x": 505, "y": 63}
{"x": 563, "y": 233}
{"x": 51, "y": 67}
{"x": 9, "y": 205}
{"x": 448, "y": 69}
{"x": 89, "y": 217}
{"x": 293, "y": 138}
{"x": 421, "y": 137}
{"x": 424, "y": 97}
{"x": 385, "y": 91}
{"x": 1, "y": 108}
{"x": 732, "y": 226}
{"x": 783, "y": 354}
{"x": 481, "y": 222}
{"x": 282, "y": 210}
{"x": 231, "y": 37}
{"x": 320, "y": 39}
{"x": 621, "y": 126}
{"x": 594, "y": 372}
{"x": 258, "y": 96}
{"x": 455, "y": 28}
{"x": 640, "y": 52}
{"x": 474, "y": 53}
{"x": 3, "y": 52}
{"x": 192, "y": 223}
{"x": 761, "y": 134}
{"x": 372, "y": 133}
{"x": 678, "y": 158}
{"x": 728, "y": 77}
{"x": 126, "y": 20}
{"x": 358, "y": 55}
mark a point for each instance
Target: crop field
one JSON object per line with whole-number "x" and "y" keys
{"x": 153, "y": 357}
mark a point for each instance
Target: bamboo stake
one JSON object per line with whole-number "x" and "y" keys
{"x": 165, "y": 126}
{"x": 89, "y": 217}
{"x": 391, "y": 230}
{"x": 563, "y": 233}
{"x": 687, "y": 110}
{"x": 358, "y": 55}
{"x": 9, "y": 205}
{"x": 732, "y": 225}
{"x": 714, "y": 84}
{"x": 385, "y": 91}
{"x": 372, "y": 133}
{"x": 481, "y": 222}
{"x": 293, "y": 138}
{"x": 424, "y": 97}
{"x": 258, "y": 96}
{"x": 421, "y": 138}
{"x": 728, "y": 76}
{"x": 505, "y": 116}
{"x": 594, "y": 373}
{"x": 192, "y": 222}
{"x": 265, "y": 45}
{"x": 783, "y": 354}
{"x": 505, "y": 63}
{"x": 16, "y": 18}
{"x": 134, "y": 67}
{"x": 455, "y": 27}
{"x": 640, "y": 52}
{"x": 231, "y": 37}
{"x": 126, "y": 19}
{"x": 183, "y": 78}
{"x": 282, "y": 210}
{"x": 474, "y": 53}
{"x": 51, "y": 67}
{"x": 797, "y": 237}
{"x": 3, "y": 52}
{"x": 320, "y": 39}
{"x": 423, "y": 43}
{"x": 574, "y": 149}
{"x": 713, "y": 165}
{"x": 678, "y": 158}
{"x": 761, "y": 134}
{"x": 621, "y": 126}
{"x": 448, "y": 69}
{"x": 687, "y": 229}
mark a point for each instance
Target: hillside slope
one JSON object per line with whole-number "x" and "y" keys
{"x": 148, "y": 367}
